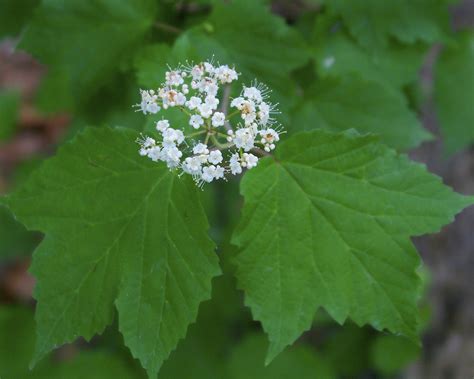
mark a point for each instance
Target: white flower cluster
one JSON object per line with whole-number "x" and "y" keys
{"x": 197, "y": 149}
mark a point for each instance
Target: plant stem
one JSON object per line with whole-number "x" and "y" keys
{"x": 219, "y": 145}
{"x": 167, "y": 28}
{"x": 260, "y": 152}
{"x": 196, "y": 133}
{"x": 228, "y": 117}
{"x": 185, "y": 111}
{"x": 222, "y": 134}
{"x": 225, "y": 104}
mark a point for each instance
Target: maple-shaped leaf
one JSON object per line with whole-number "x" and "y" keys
{"x": 120, "y": 231}
{"x": 327, "y": 223}
{"x": 85, "y": 43}
{"x": 366, "y": 105}
{"x": 374, "y": 22}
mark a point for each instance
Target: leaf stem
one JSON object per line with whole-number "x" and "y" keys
{"x": 196, "y": 133}
{"x": 228, "y": 117}
{"x": 221, "y": 146}
{"x": 167, "y": 27}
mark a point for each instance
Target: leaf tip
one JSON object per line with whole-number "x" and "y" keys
{"x": 273, "y": 350}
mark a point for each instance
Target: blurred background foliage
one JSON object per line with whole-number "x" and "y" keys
{"x": 401, "y": 69}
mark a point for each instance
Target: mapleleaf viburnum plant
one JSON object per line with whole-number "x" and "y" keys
{"x": 258, "y": 188}
{"x": 195, "y": 90}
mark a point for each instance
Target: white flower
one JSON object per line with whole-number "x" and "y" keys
{"x": 209, "y": 67}
{"x": 252, "y": 93}
{"x": 196, "y": 84}
{"x": 263, "y": 113}
{"x": 208, "y": 173}
{"x": 180, "y": 99}
{"x": 148, "y": 142}
{"x": 244, "y": 139}
{"x": 230, "y": 135}
{"x": 202, "y": 158}
{"x": 269, "y": 137}
{"x": 249, "y": 160}
{"x": 149, "y": 102}
{"x": 237, "y": 102}
{"x": 215, "y": 157}
{"x": 205, "y": 110}
{"x": 174, "y": 78}
{"x": 226, "y": 74}
{"x": 218, "y": 119}
{"x": 219, "y": 172}
{"x": 196, "y": 121}
{"x": 197, "y": 72}
{"x": 248, "y": 112}
{"x": 253, "y": 128}
{"x": 212, "y": 101}
{"x": 235, "y": 167}
{"x": 194, "y": 90}
{"x": 193, "y": 102}
{"x": 172, "y": 136}
{"x": 200, "y": 148}
{"x": 192, "y": 165}
{"x": 169, "y": 98}
{"x": 211, "y": 88}
{"x": 154, "y": 153}
{"x": 171, "y": 154}
{"x": 162, "y": 125}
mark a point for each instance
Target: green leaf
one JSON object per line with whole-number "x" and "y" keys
{"x": 374, "y": 22}
{"x": 119, "y": 229}
{"x": 299, "y": 362}
{"x": 15, "y": 239}
{"x": 454, "y": 93}
{"x": 91, "y": 365}
{"x": 9, "y": 107}
{"x": 16, "y": 340}
{"x": 368, "y": 106}
{"x": 85, "y": 43}
{"x": 14, "y": 14}
{"x": 347, "y": 348}
{"x": 327, "y": 223}
{"x": 390, "y": 354}
{"x": 151, "y": 64}
{"x": 337, "y": 55}
{"x": 17, "y": 345}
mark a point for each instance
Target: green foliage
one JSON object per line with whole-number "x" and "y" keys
{"x": 326, "y": 222}
{"x": 85, "y": 43}
{"x": 121, "y": 230}
{"x": 454, "y": 93}
{"x": 348, "y": 349}
{"x": 352, "y": 102}
{"x": 342, "y": 242}
{"x": 336, "y": 54}
{"x": 9, "y": 107}
{"x": 17, "y": 345}
{"x": 16, "y": 240}
{"x": 14, "y": 14}
{"x": 389, "y": 354}
{"x": 374, "y": 22}
{"x": 299, "y": 362}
